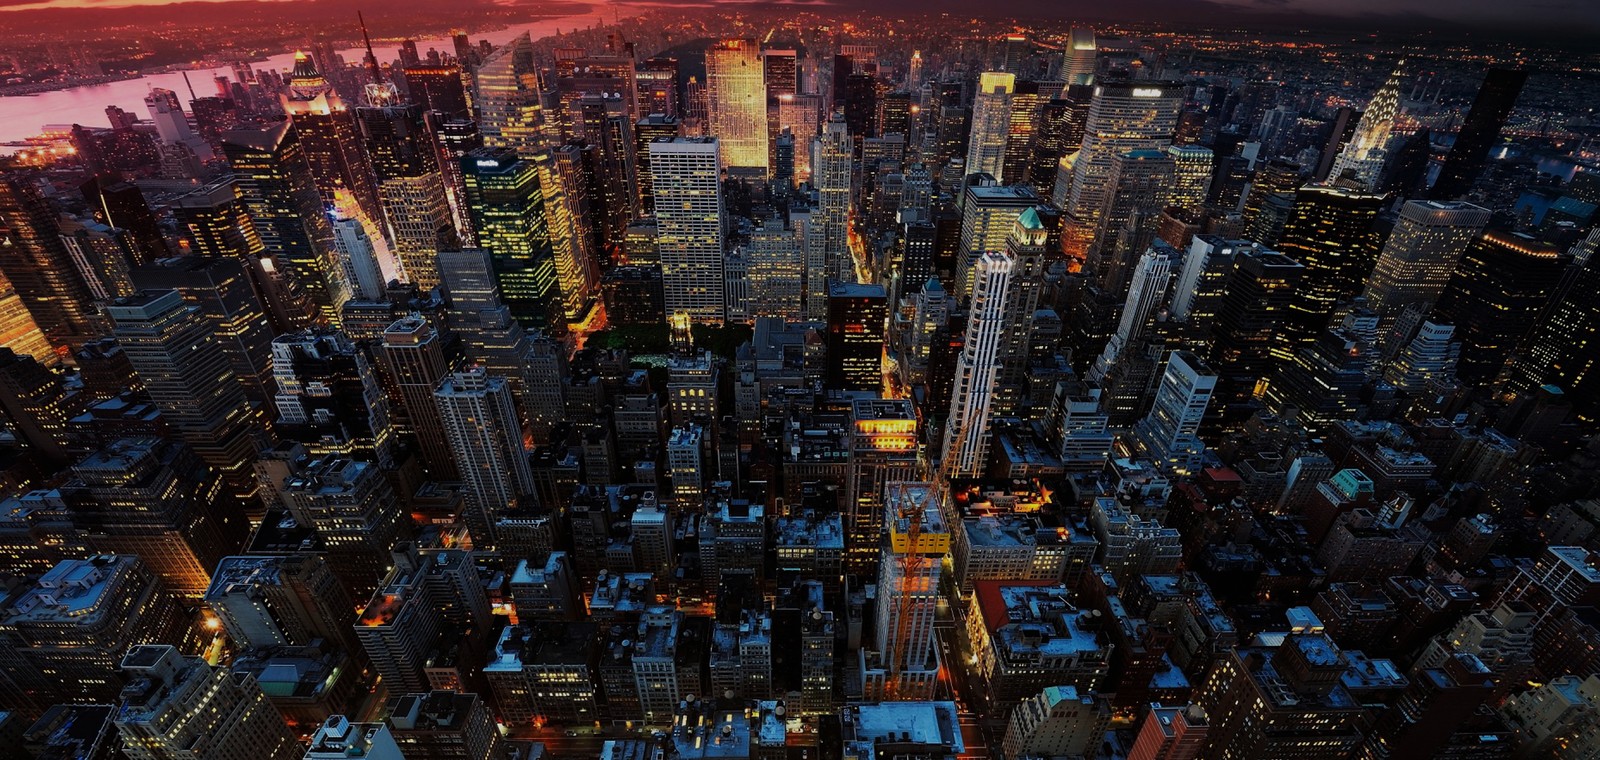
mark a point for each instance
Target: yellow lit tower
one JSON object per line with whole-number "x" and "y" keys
{"x": 736, "y": 105}
{"x": 1363, "y": 156}
{"x": 329, "y": 137}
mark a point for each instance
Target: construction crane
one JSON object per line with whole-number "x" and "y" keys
{"x": 913, "y": 560}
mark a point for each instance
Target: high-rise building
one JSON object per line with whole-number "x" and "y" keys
{"x": 904, "y": 665}
{"x": 777, "y": 271}
{"x": 1421, "y": 252}
{"x": 991, "y": 124}
{"x": 356, "y": 252}
{"x": 225, "y": 291}
{"x": 19, "y": 332}
{"x": 439, "y": 88}
{"x": 831, "y": 173}
{"x": 291, "y": 600}
{"x": 328, "y": 135}
{"x": 122, "y": 206}
{"x": 1170, "y": 433}
{"x": 1057, "y": 722}
{"x": 329, "y": 398}
{"x": 1430, "y": 357}
{"x": 967, "y": 430}
{"x": 1137, "y": 188}
{"x": 1253, "y": 304}
{"x": 646, "y": 131}
{"x": 1364, "y": 155}
{"x": 1122, "y": 117}
{"x": 1191, "y": 176}
{"x": 187, "y": 374}
{"x": 508, "y": 207}
{"x": 36, "y": 405}
{"x": 657, "y": 80}
{"x": 34, "y": 259}
{"x": 485, "y": 435}
{"x": 688, "y": 195}
{"x": 736, "y": 106}
{"x": 1497, "y": 96}
{"x": 1495, "y": 297}
{"x": 411, "y": 190}
{"x": 1283, "y": 701}
{"x": 989, "y": 213}
{"x": 279, "y": 192}
{"x": 1079, "y": 60}
{"x": 1171, "y": 733}
{"x": 508, "y": 89}
{"x": 856, "y": 318}
{"x": 414, "y": 359}
{"x": 1557, "y": 353}
{"x": 214, "y": 222}
{"x": 176, "y": 706}
{"x": 445, "y": 724}
{"x": 337, "y": 738}
{"x": 351, "y": 507}
{"x": 1330, "y": 233}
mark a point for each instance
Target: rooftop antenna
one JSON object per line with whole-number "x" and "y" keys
{"x": 371, "y": 60}
{"x": 188, "y": 84}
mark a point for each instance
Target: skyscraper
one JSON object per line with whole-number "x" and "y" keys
{"x": 1559, "y": 351}
{"x": 36, "y": 405}
{"x": 188, "y": 376}
{"x": 280, "y": 194}
{"x": 226, "y": 293}
{"x": 18, "y": 331}
{"x": 1123, "y": 116}
{"x": 1249, "y": 314}
{"x": 1170, "y": 433}
{"x": 414, "y": 360}
{"x": 736, "y": 106}
{"x": 1490, "y": 110}
{"x": 329, "y": 398}
{"x": 1330, "y": 234}
{"x": 178, "y": 706}
{"x": 904, "y": 665}
{"x": 35, "y": 261}
{"x": 831, "y": 172}
{"x": 1417, "y": 259}
{"x": 411, "y": 189}
{"x": 1079, "y": 60}
{"x": 991, "y": 124}
{"x": 507, "y": 203}
{"x": 856, "y": 316}
{"x": 485, "y": 435}
{"x": 685, "y": 181}
{"x": 328, "y": 135}
{"x": 508, "y": 99}
{"x": 1363, "y": 157}
{"x": 1494, "y": 297}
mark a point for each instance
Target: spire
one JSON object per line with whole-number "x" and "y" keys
{"x": 304, "y": 68}
{"x": 370, "y": 61}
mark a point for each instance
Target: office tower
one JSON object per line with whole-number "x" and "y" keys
{"x": 507, "y": 202}
{"x": 685, "y": 466}
{"x": 657, "y": 80}
{"x": 1122, "y": 117}
{"x": 830, "y": 219}
{"x": 988, "y": 216}
{"x": 1497, "y": 96}
{"x": 692, "y": 388}
{"x": 100, "y": 254}
{"x": 1254, "y": 304}
{"x": 280, "y": 194}
{"x": 1323, "y": 381}
{"x": 80, "y": 616}
{"x": 224, "y": 290}
{"x": 485, "y": 435}
{"x": 575, "y": 232}
{"x": 1169, "y": 434}
{"x": 337, "y": 738}
{"x": 1430, "y": 357}
{"x": 991, "y": 124}
{"x": 1495, "y": 297}
{"x": 454, "y": 139}
{"x": 405, "y": 163}
{"x": 736, "y": 106}
{"x": 1171, "y": 733}
{"x": 1417, "y": 259}
{"x": 414, "y": 359}
{"x": 36, "y": 405}
{"x": 1557, "y": 351}
{"x": 351, "y": 507}
{"x": 856, "y": 317}
{"x": 122, "y": 206}
{"x": 777, "y": 271}
{"x": 157, "y": 500}
{"x": 18, "y": 331}
{"x": 903, "y": 665}
{"x": 1283, "y": 701}
{"x": 646, "y": 131}
{"x": 1363, "y": 157}
{"x": 214, "y": 222}
{"x": 1191, "y": 176}
{"x": 176, "y": 706}
{"x": 329, "y": 398}
{"x": 187, "y": 374}
{"x": 34, "y": 259}
{"x": 688, "y": 195}
{"x": 172, "y": 125}
{"x": 1028, "y": 103}
{"x": 967, "y": 431}
{"x": 508, "y": 90}
{"x": 357, "y": 254}
{"x": 1147, "y": 290}
{"x": 1057, "y": 722}
{"x": 1078, "y": 63}
{"x": 858, "y": 100}
{"x": 1137, "y": 189}
{"x": 439, "y": 88}
{"x": 782, "y": 71}
{"x": 1330, "y": 233}
{"x": 290, "y": 600}
{"x": 328, "y": 135}
{"x": 883, "y": 448}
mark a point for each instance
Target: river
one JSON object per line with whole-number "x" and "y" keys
{"x": 24, "y": 116}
